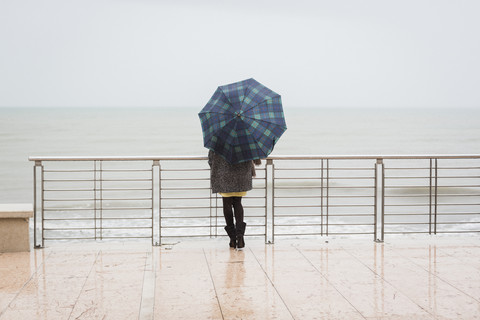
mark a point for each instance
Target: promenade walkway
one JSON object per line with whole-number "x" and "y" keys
{"x": 404, "y": 278}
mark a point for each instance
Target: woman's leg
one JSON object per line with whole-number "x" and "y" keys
{"x": 230, "y": 227}
{"x": 240, "y": 227}
{"x": 227, "y": 210}
{"x": 237, "y": 209}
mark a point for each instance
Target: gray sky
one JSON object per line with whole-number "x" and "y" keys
{"x": 342, "y": 53}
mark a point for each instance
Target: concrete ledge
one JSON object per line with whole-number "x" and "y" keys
{"x": 14, "y": 233}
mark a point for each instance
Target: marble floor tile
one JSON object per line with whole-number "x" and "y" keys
{"x": 462, "y": 276}
{"x": 428, "y": 291}
{"x": 468, "y": 255}
{"x": 106, "y": 307}
{"x": 113, "y": 289}
{"x": 37, "y": 313}
{"x": 306, "y": 292}
{"x": 5, "y": 300}
{"x": 180, "y": 310}
{"x": 261, "y": 302}
{"x": 350, "y": 277}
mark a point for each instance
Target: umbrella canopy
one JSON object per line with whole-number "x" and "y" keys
{"x": 242, "y": 121}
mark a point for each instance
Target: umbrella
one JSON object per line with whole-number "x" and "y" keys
{"x": 242, "y": 121}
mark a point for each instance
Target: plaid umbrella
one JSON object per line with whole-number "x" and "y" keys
{"x": 242, "y": 121}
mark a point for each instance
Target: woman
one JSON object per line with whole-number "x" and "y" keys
{"x": 232, "y": 181}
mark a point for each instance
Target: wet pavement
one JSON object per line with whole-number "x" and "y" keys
{"x": 404, "y": 278}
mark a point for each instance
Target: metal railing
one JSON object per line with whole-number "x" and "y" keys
{"x": 159, "y": 198}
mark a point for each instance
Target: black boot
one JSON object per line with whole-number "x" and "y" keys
{"x": 231, "y": 233}
{"x": 240, "y": 233}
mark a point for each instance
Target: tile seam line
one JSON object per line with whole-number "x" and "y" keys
{"x": 437, "y": 276}
{"x": 330, "y": 283}
{"x": 271, "y": 282}
{"x": 391, "y": 284}
{"x": 24, "y": 285}
{"x": 457, "y": 258}
{"x": 83, "y": 286}
{"x": 213, "y": 282}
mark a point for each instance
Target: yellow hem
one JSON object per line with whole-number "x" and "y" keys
{"x": 233, "y": 194}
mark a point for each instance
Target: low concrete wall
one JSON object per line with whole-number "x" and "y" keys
{"x": 14, "y": 233}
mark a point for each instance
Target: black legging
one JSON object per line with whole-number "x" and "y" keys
{"x": 236, "y": 204}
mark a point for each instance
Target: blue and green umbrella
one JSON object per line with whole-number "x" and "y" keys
{"x": 242, "y": 121}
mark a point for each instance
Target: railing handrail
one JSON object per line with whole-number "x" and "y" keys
{"x": 279, "y": 157}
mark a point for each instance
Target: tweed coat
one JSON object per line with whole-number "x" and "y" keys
{"x": 226, "y": 177}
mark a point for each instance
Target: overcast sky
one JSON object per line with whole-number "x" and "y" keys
{"x": 335, "y": 53}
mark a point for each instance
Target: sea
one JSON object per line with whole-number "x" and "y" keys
{"x": 169, "y": 131}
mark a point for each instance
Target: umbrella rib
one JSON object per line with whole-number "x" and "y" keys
{"x": 256, "y": 141}
{"x": 266, "y": 98}
{"x": 226, "y": 111}
{"x": 226, "y": 123}
{"x": 225, "y": 96}
{"x": 262, "y": 120}
{"x": 205, "y": 112}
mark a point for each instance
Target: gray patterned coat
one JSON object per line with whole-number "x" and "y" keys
{"x": 226, "y": 177}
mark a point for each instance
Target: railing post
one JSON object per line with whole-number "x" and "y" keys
{"x": 383, "y": 202}
{"x": 95, "y": 198}
{"x": 430, "y": 200}
{"x": 265, "y": 181}
{"x": 375, "y": 204}
{"x": 321, "y": 198}
{"x": 159, "y": 204}
{"x": 101, "y": 200}
{"x": 270, "y": 197}
{"x": 43, "y": 205}
{"x": 327, "y": 196}
{"x": 38, "y": 164}
{"x": 98, "y": 198}
{"x": 433, "y": 196}
{"x": 436, "y": 197}
{"x": 379, "y": 188}
{"x": 156, "y": 163}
